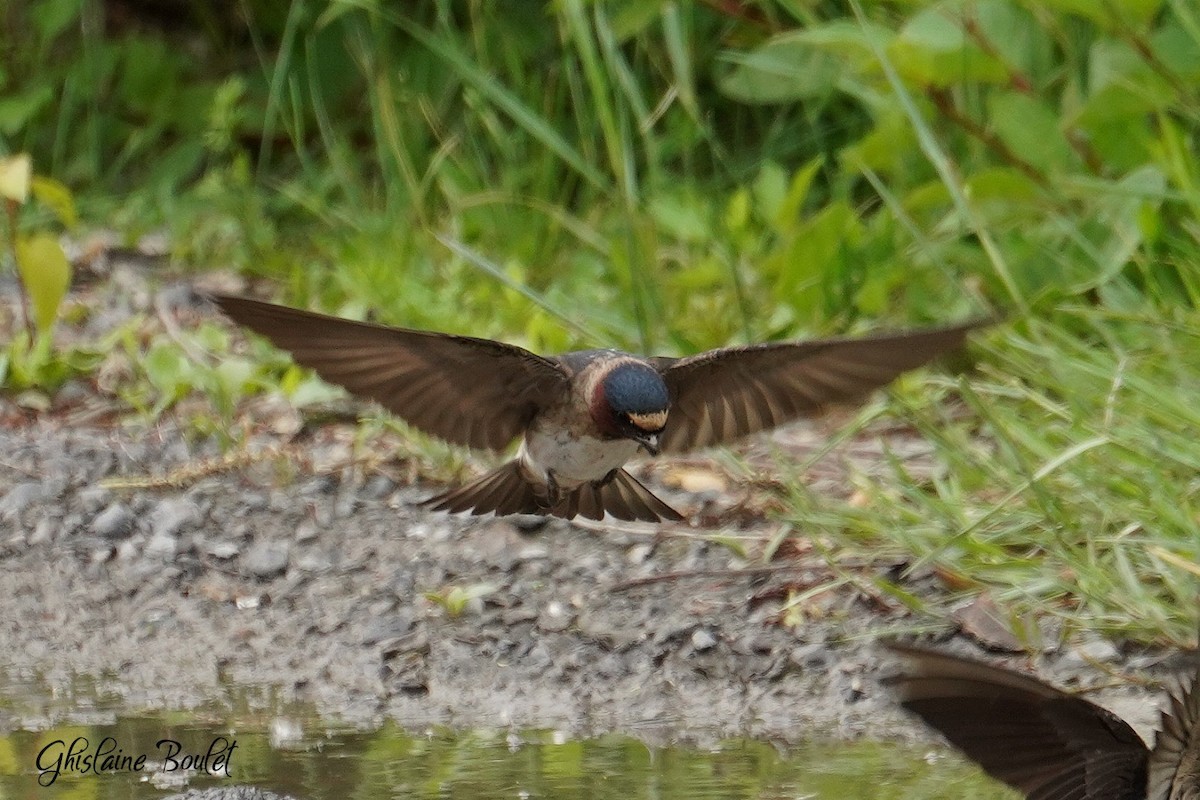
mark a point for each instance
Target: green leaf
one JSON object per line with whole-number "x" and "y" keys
{"x": 788, "y": 215}
{"x": 629, "y": 19}
{"x": 1013, "y": 189}
{"x": 785, "y": 69}
{"x": 1023, "y": 44}
{"x": 51, "y": 17}
{"x": 1030, "y": 128}
{"x": 57, "y": 197}
{"x": 932, "y": 49}
{"x": 737, "y": 210}
{"x": 684, "y": 216}
{"x": 169, "y": 371}
{"x": 770, "y": 189}
{"x": 890, "y": 148}
{"x": 46, "y": 273}
{"x": 1178, "y": 50}
{"x": 1111, "y": 14}
{"x": 16, "y": 110}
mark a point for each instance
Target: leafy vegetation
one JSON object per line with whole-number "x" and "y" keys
{"x": 669, "y": 177}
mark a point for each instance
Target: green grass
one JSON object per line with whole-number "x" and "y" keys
{"x": 669, "y": 178}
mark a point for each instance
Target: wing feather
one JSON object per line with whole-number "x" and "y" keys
{"x": 1049, "y": 744}
{"x": 442, "y": 384}
{"x": 722, "y": 395}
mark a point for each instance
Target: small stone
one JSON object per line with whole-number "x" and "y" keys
{"x": 814, "y": 654}
{"x": 314, "y": 562}
{"x": 42, "y": 532}
{"x": 254, "y": 501}
{"x": 20, "y": 497}
{"x": 533, "y": 552}
{"x": 223, "y": 550}
{"x": 307, "y": 531}
{"x": 322, "y": 484}
{"x": 1095, "y": 651}
{"x": 530, "y": 523}
{"x": 266, "y": 559}
{"x": 378, "y": 487}
{"x": 345, "y": 505}
{"x": 94, "y": 498}
{"x": 702, "y": 639}
{"x": 172, "y": 515}
{"x": 639, "y": 553}
{"x": 161, "y": 547}
{"x": 114, "y": 522}
{"x": 555, "y": 616}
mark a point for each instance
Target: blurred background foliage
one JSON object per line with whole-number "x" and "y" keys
{"x": 694, "y": 173}
{"x": 671, "y": 176}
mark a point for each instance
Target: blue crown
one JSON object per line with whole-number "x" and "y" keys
{"x": 634, "y": 388}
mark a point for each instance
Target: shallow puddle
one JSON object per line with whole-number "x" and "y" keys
{"x": 146, "y": 756}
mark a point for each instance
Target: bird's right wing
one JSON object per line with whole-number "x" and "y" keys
{"x": 473, "y": 392}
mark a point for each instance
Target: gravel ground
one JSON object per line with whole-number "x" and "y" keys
{"x": 311, "y": 574}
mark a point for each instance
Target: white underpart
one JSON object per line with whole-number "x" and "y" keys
{"x": 573, "y": 461}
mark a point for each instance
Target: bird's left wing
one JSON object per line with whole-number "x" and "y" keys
{"x": 722, "y": 395}
{"x": 474, "y": 392}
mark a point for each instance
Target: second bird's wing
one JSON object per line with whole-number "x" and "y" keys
{"x": 1049, "y": 744}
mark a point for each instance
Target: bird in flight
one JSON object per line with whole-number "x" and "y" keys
{"x": 1046, "y": 743}
{"x": 582, "y": 415}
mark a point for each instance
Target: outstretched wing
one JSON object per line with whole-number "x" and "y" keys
{"x": 474, "y": 392}
{"x": 722, "y": 395}
{"x": 1042, "y": 741}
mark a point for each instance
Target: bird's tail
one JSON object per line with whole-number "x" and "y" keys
{"x": 623, "y": 496}
{"x": 505, "y": 490}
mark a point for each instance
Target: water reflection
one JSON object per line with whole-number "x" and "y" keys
{"x": 288, "y": 751}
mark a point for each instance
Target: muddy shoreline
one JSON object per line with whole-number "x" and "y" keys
{"x": 321, "y": 586}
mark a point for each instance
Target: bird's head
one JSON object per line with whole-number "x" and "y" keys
{"x": 631, "y": 401}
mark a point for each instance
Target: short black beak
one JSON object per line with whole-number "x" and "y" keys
{"x": 648, "y": 441}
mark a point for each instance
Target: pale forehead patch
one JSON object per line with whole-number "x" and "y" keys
{"x": 649, "y": 422}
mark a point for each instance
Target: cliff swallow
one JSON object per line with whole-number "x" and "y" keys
{"x": 580, "y": 416}
{"x": 1045, "y": 742}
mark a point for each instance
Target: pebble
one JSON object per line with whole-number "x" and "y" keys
{"x": 814, "y": 654}
{"x": 1087, "y": 653}
{"x": 266, "y": 559}
{"x": 378, "y": 487}
{"x": 307, "y": 531}
{"x": 42, "y": 532}
{"x": 18, "y": 498}
{"x": 530, "y": 523}
{"x": 702, "y": 639}
{"x": 223, "y": 549}
{"x": 555, "y": 616}
{"x": 172, "y": 515}
{"x": 315, "y": 562}
{"x": 639, "y": 553}
{"x": 161, "y": 546}
{"x": 114, "y": 522}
